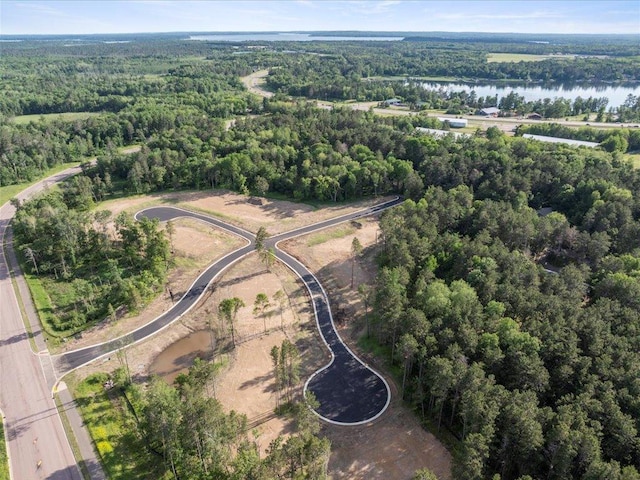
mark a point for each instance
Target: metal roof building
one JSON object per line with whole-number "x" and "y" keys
{"x": 455, "y": 122}
{"x": 441, "y": 133}
{"x": 568, "y": 141}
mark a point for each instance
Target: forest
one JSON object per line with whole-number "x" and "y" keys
{"x": 518, "y": 331}
{"x": 509, "y": 280}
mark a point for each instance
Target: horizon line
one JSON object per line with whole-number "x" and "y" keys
{"x": 385, "y": 32}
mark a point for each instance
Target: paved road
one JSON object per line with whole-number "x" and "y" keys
{"x": 347, "y": 390}
{"x": 33, "y": 427}
{"x": 68, "y": 361}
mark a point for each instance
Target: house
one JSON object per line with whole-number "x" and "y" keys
{"x": 544, "y": 211}
{"x": 534, "y": 116}
{"x": 489, "y": 112}
{"x": 455, "y": 122}
{"x": 392, "y": 101}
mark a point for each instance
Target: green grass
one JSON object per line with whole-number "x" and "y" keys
{"x": 44, "y": 307}
{"x": 516, "y": 57}
{"x": 50, "y": 117}
{"x": 4, "y": 458}
{"x": 635, "y": 159}
{"x": 114, "y": 431}
{"x": 10, "y": 191}
{"x": 332, "y": 234}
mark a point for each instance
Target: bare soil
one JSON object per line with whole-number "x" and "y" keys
{"x": 391, "y": 448}
{"x": 395, "y": 445}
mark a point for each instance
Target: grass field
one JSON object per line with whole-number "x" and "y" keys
{"x": 334, "y": 233}
{"x": 50, "y": 117}
{"x": 516, "y": 57}
{"x": 41, "y": 288}
{"x": 10, "y": 191}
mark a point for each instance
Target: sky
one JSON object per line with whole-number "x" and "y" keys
{"x": 19, "y": 17}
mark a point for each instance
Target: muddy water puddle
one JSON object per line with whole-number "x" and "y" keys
{"x": 179, "y": 356}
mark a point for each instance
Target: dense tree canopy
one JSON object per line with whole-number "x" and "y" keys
{"x": 516, "y": 329}
{"x": 519, "y": 332}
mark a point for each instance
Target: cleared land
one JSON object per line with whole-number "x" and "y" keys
{"x": 521, "y": 57}
{"x": 50, "y": 117}
{"x": 396, "y": 445}
{"x": 392, "y": 448}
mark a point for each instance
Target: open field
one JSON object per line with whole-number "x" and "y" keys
{"x": 521, "y": 57}
{"x": 50, "y": 117}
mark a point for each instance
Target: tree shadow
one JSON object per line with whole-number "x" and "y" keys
{"x": 14, "y": 339}
{"x": 237, "y": 280}
{"x": 70, "y": 472}
{"x": 258, "y": 380}
{"x": 276, "y": 209}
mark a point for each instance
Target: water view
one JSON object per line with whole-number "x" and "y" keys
{"x": 286, "y": 37}
{"x": 615, "y": 93}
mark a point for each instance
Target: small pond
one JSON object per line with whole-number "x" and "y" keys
{"x": 179, "y": 356}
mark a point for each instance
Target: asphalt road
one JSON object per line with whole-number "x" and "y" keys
{"x": 348, "y": 391}
{"x": 68, "y": 361}
{"x": 33, "y": 429}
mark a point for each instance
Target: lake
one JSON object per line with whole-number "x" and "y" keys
{"x": 287, "y": 37}
{"x": 616, "y": 94}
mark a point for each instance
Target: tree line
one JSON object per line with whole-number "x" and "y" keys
{"x": 518, "y": 331}
{"x": 91, "y": 263}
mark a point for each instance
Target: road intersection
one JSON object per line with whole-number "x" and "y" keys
{"x": 36, "y": 441}
{"x": 349, "y": 392}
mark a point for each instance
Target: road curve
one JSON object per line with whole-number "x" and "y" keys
{"x": 348, "y": 391}
{"x": 71, "y": 360}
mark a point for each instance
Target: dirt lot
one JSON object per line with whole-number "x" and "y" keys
{"x": 395, "y": 445}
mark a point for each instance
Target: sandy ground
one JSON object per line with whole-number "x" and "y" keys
{"x": 396, "y": 445}
{"x": 254, "y": 81}
{"x": 391, "y": 448}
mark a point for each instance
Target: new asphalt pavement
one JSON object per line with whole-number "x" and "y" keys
{"x": 348, "y": 391}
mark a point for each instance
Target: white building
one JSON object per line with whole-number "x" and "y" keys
{"x": 441, "y": 133}
{"x": 568, "y": 141}
{"x": 455, "y": 122}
